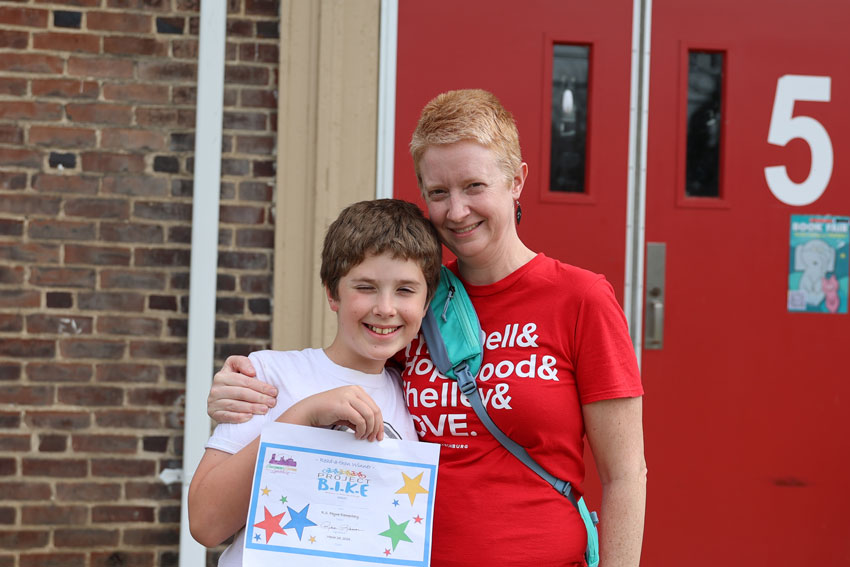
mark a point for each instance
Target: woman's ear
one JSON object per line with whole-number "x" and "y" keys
{"x": 332, "y": 303}
{"x": 519, "y": 181}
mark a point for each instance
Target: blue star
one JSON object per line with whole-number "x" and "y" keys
{"x": 257, "y": 537}
{"x": 395, "y": 503}
{"x": 299, "y": 520}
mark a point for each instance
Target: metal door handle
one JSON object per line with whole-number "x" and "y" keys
{"x": 653, "y": 335}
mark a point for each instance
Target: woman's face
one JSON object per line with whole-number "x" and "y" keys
{"x": 470, "y": 200}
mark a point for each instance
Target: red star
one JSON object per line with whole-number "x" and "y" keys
{"x": 417, "y": 519}
{"x": 387, "y": 552}
{"x": 271, "y": 524}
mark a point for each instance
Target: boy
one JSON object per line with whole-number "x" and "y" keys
{"x": 380, "y": 267}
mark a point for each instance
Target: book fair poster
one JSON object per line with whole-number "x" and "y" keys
{"x": 322, "y": 497}
{"x": 818, "y": 269}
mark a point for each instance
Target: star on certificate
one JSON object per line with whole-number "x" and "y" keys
{"x": 412, "y": 487}
{"x": 418, "y": 519}
{"x": 396, "y": 532}
{"x": 265, "y": 491}
{"x": 299, "y": 520}
{"x": 271, "y": 524}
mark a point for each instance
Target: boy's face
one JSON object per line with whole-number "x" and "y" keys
{"x": 380, "y": 308}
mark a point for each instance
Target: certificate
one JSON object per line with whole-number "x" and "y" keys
{"x": 322, "y": 497}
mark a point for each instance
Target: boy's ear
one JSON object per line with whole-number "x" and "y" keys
{"x": 333, "y": 303}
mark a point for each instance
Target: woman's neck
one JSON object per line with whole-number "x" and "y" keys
{"x": 490, "y": 270}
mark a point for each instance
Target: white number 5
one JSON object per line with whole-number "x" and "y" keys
{"x": 784, "y": 127}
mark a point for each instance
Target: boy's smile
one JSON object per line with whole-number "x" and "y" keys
{"x": 380, "y": 304}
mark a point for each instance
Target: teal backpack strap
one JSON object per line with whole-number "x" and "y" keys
{"x": 458, "y": 356}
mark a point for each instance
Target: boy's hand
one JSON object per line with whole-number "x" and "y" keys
{"x": 236, "y": 395}
{"x": 347, "y": 405}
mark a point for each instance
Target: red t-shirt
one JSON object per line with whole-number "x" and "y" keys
{"x": 556, "y": 338}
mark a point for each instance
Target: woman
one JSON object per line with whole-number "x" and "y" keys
{"x": 558, "y": 364}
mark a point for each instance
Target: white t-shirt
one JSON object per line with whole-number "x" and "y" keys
{"x": 297, "y": 375}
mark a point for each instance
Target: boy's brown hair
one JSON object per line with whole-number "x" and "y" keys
{"x": 377, "y": 227}
{"x": 470, "y": 114}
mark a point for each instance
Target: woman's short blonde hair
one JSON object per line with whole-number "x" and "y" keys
{"x": 470, "y": 114}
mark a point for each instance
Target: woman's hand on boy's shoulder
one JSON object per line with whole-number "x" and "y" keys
{"x": 350, "y": 406}
{"x": 236, "y": 395}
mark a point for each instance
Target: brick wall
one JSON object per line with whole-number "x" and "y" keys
{"x": 96, "y": 138}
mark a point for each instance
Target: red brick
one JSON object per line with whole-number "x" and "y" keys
{"x": 24, "y": 490}
{"x": 63, "y": 277}
{"x": 81, "y": 348}
{"x": 136, "y": 92}
{"x": 104, "y": 67}
{"x": 59, "y": 468}
{"x": 28, "y": 17}
{"x": 166, "y": 117}
{"x": 107, "y": 162}
{"x": 9, "y": 371}
{"x": 29, "y": 204}
{"x": 122, "y": 514}
{"x": 20, "y": 157}
{"x": 23, "y": 539}
{"x": 138, "y": 326}
{"x": 259, "y": 98}
{"x": 19, "y": 298}
{"x": 134, "y": 45}
{"x": 167, "y": 71}
{"x": 125, "y": 559}
{"x": 243, "y": 260}
{"x": 10, "y": 420}
{"x": 63, "y": 559}
{"x": 239, "y": 27}
{"x": 105, "y": 443}
{"x": 152, "y": 537}
{"x": 26, "y": 395}
{"x": 111, "y": 301}
{"x": 11, "y": 134}
{"x": 125, "y": 468}
{"x": 62, "y": 137}
{"x": 65, "y": 183}
{"x": 8, "y": 516}
{"x": 160, "y": 257}
{"x": 99, "y": 255}
{"x": 14, "y": 39}
{"x": 130, "y": 139}
{"x": 158, "y": 349}
{"x": 11, "y": 275}
{"x": 52, "y": 443}
{"x": 59, "y": 371}
{"x": 119, "y": 21}
{"x": 98, "y": 208}
{"x": 15, "y": 443}
{"x": 139, "y": 4}
{"x": 184, "y": 94}
{"x": 255, "y": 238}
{"x": 253, "y": 329}
{"x": 242, "y": 214}
{"x": 87, "y": 491}
{"x": 86, "y": 538}
{"x": 131, "y": 232}
{"x": 155, "y": 397}
{"x": 152, "y": 491}
{"x": 64, "y": 41}
{"x": 163, "y": 210}
{"x": 53, "y": 515}
{"x": 99, "y": 113}
{"x": 9, "y": 324}
{"x": 59, "y": 420}
{"x": 262, "y": 145}
{"x": 184, "y": 49}
{"x": 130, "y": 373}
{"x": 59, "y": 299}
{"x": 89, "y": 396}
{"x": 61, "y": 230}
{"x": 162, "y": 303}
{"x": 65, "y": 88}
{"x": 269, "y": 8}
{"x": 32, "y": 252}
{"x": 40, "y": 323}
{"x": 263, "y": 169}
{"x": 12, "y": 180}
{"x": 245, "y": 121}
{"x": 256, "y": 284}
{"x": 259, "y": 53}
{"x": 14, "y": 87}
{"x": 32, "y": 63}
{"x": 136, "y": 185}
{"x": 130, "y": 279}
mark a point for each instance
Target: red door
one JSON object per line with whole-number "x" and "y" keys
{"x": 747, "y": 428}
{"x": 507, "y": 48}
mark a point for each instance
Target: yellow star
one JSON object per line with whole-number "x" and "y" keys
{"x": 312, "y": 539}
{"x": 412, "y": 487}
{"x": 265, "y": 491}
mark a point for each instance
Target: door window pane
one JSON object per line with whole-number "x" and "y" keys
{"x": 569, "y": 118}
{"x": 705, "y": 79}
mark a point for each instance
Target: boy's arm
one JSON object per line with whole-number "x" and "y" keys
{"x": 236, "y": 395}
{"x": 221, "y": 488}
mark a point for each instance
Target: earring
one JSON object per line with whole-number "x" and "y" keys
{"x": 518, "y": 210}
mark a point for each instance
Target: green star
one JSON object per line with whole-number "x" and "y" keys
{"x": 396, "y": 532}
{"x": 283, "y": 499}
